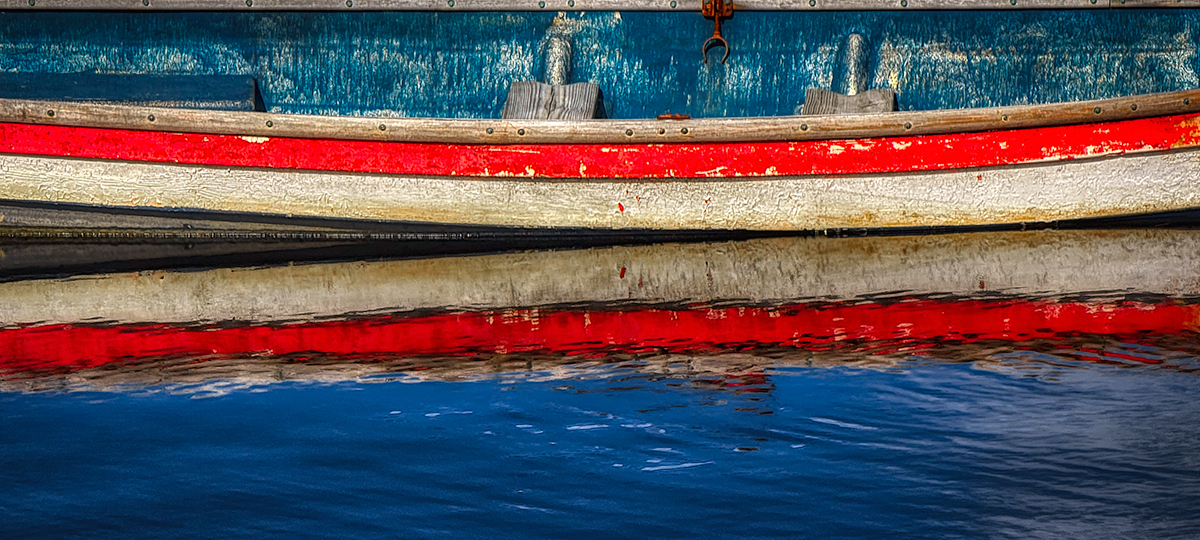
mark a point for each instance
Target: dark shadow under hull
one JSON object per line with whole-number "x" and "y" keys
{"x": 43, "y": 240}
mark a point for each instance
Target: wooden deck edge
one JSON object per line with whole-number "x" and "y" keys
{"x": 580, "y": 5}
{"x": 500, "y": 131}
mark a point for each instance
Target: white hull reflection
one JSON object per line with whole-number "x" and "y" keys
{"x": 1041, "y": 264}
{"x": 717, "y": 315}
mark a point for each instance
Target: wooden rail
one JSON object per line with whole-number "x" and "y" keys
{"x": 578, "y": 5}
{"x": 501, "y": 131}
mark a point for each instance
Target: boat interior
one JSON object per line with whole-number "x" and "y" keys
{"x": 595, "y": 64}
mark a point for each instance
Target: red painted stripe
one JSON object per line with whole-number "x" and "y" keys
{"x": 58, "y": 348}
{"x": 882, "y": 155}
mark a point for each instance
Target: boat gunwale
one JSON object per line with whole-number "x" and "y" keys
{"x": 580, "y": 5}
{"x": 608, "y": 131}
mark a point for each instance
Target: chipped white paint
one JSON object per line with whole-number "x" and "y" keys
{"x": 1127, "y": 184}
{"x": 764, "y": 271}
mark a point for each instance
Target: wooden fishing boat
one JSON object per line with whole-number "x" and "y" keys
{"x": 1083, "y": 128}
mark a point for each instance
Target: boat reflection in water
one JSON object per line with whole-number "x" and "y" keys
{"x": 712, "y": 315}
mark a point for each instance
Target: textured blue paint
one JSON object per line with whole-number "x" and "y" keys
{"x": 460, "y": 64}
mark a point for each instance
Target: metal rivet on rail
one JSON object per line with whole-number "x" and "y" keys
{"x": 50, "y": 112}
{"x": 32, "y": 3}
{"x": 684, "y": 131}
{"x": 1004, "y": 118}
{"x": 673, "y": 4}
{"x": 450, "y": 3}
{"x": 382, "y": 127}
{"x": 150, "y": 118}
{"x": 908, "y": 125}
{"x": 662, "y": 131}
{"x": 1097, "y": 110}
{"x": 349, "y": 3}
{"x": 1012, "y": 2}
{"x": 812, "y": 3}
{"x": 570, "y": 3}
{"x": 803, "y": 127}
{"x": 629, "y": 133}
{"x": 903, "y": 3}
{"x": 1133, "y": 107}
{"x": 1093, "y": 1}
{"x": 521, "y": 132}
{"x": 145, "y": 2}
{"x": 541, "y": 4}
{"x": 1187, "y": 101}
{"x": 249, "y": 3}
{"x": 490, "y": 131}
{"x": 270, "y": 123}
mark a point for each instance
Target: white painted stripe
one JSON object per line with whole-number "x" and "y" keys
{"x": 1044, "y": 192}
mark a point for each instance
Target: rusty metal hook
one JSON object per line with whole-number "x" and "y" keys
{"x": 715, "y": 41}
{"x": 717, "y": 9}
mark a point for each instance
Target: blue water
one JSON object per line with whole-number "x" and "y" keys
{"x": 1013, "y": 447}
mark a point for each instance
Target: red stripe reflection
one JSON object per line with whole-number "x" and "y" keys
{"x": 71, "y": 347}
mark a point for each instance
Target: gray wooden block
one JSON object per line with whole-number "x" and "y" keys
{"x": 818, "y": 101}
{"x": 217, "y": 92}
{"x": 535, "y": 100}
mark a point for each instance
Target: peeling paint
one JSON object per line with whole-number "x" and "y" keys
{"x": 1132, "y": 184}
{"x": 460, "y": 64}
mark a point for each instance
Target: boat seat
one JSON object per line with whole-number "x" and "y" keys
{"x": 218, "y": 92}
{"x": 529, "y": 100}
{"x": 819, "y": 101}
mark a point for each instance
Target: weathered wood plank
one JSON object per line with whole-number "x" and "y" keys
{"x": 467, "y": 131}
{"x": 1156, "y": 4}
{"x": 535, "y": 100}
{"x": 575, "y": 5}
{"x": 217, "y": 92}
{"x": 819, "y": 101}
